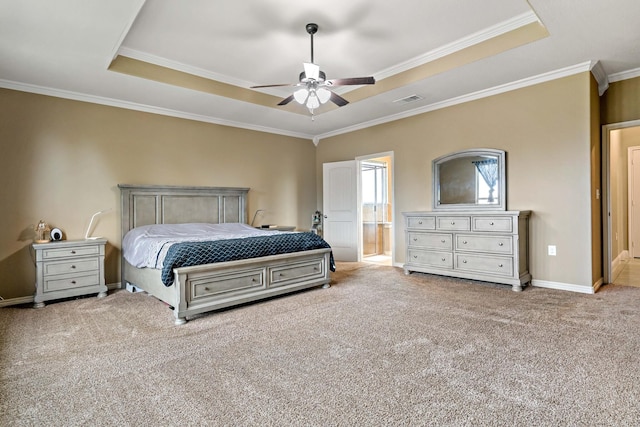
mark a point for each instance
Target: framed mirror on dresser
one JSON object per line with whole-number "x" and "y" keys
{"x": 469, "y": 233}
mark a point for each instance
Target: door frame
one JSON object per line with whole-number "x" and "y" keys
{"x": 359, "y": 160}
{"x": 606, "y": 195}
{"x": 632, "y": 225}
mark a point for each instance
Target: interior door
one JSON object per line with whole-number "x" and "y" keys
{"x": 634, "y": 202}
{"x": 340, "y": 208}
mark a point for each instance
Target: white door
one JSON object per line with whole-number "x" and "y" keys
{"x": 340, "y": 208}
{"x": 634, "y": 202}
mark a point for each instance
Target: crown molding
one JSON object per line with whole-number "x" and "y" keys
{"x": 624, "y": 75}
{"x": 529, "y": 81}
{"x": 59, "y": 93}
{"x": 178, "y": 66}
{"x": 458, "y": 45}
{"x": 601, "y": 76}
{"x": 125, "y": 31}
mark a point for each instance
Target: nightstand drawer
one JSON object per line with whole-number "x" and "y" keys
{"x": 80, "y": 265}
{"x": 71, "y": 281}
{"x": 73, "y": 251}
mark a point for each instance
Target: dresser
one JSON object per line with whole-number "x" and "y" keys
{"x": 489, "y": 246}
{"x": 69, "y": 268}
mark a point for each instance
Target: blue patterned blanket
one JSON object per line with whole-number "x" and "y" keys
{"x": 196, "y": 253}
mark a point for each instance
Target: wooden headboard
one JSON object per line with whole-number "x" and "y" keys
{"x": 162, "y": 204}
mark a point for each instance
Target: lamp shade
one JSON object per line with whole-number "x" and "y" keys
{"x": 312, "y": 101}
{"x": 323, "y": 95}
{"x": 301, "y": 95}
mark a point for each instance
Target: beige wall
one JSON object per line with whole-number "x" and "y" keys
{"x": 621, "y": 102}
{"x": 62, "y": 161}
{"x": 546, "y": 132}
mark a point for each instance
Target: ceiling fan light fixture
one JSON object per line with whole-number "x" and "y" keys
{"x": 323, "y": 95}
{"x": 301, "y": 95}
{"x": 312, "y": 102}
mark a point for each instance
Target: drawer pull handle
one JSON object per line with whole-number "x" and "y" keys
{"x": 453, "y": 223}
{"x": 464, "y": 242}
{"x": 444, "y": 259}
{"x": 206, "y": 289}
{"x": 442, "y": 241}
{"x": 73, "y": 266}
{"x": 281, "y": 275}
{"x": 415, "y": 239}
{"x": 500, "y": 265}
{"x": 73, "y": 252}
{"x": 491, "y": 223}
{"x": 415, "y": 256}
{"x": 464, "y": 261}
{"x": 73, "y": 282}
{"x": 500, "y": 244}
{"x": 420, "y": 222}
{"x": 253, "y": 280}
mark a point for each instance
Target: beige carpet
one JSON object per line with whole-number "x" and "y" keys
{"x": 377, "y": 348}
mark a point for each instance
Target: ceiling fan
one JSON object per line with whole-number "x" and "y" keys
{"x": 314, "y": 88}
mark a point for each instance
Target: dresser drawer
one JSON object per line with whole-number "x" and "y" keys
{"x": 454, "y": 223}
{"x": 79, "y": 265}
{"x": 422, "y": 222}
{"x": 310, "y": 270}
{"x": 70, "y": 251}
{"x": 481, "y": 243}
{"x": 71, "y": 281}
{"x": 431, "y": 259}
{"x": 440, "y": 241}
{"x": 238, "y": 282}
{"x": 501, "y": 266}
{"x": 497, "y": 224}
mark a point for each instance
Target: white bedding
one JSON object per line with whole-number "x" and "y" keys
{"x": 147, "y": 246}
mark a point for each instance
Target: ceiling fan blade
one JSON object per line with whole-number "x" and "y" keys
{"x": 278, "y": 85}
{"x": 338, "y": 100}
{"x": 351, "y": 81}
{"x": 287, "y": 100}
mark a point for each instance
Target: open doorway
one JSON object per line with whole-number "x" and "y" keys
{"x": 376, "y": 208}
{"x": 620, "y": 263}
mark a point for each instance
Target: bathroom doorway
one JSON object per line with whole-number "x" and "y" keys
{"x": 376, "y": 208}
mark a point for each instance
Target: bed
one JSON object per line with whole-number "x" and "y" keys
{"x": 200, "y": 288}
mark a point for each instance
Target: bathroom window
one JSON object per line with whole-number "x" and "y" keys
{"x": 374, "y": 191}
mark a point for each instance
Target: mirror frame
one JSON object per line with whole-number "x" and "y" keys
{"x": 501, "y": 206}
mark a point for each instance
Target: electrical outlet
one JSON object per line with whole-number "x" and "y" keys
{"x": 552, "y": 250}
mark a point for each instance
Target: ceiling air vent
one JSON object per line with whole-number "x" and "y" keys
{"x": 408, "y": 99}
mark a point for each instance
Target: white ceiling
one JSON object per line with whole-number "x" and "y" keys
{"x": 64, "y": 48}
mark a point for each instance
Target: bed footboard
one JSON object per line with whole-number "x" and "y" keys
{"x": 203, "y": 288}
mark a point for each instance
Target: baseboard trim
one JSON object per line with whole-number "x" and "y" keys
{"x": 565, "y": 286}
{"x": 16, "y": 301}
{"x": 29, "y": 299}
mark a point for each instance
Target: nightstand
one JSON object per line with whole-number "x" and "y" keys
{"x": 69, "y": 268}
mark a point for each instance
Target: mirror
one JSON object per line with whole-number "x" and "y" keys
{"x": 470, "y": 180}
